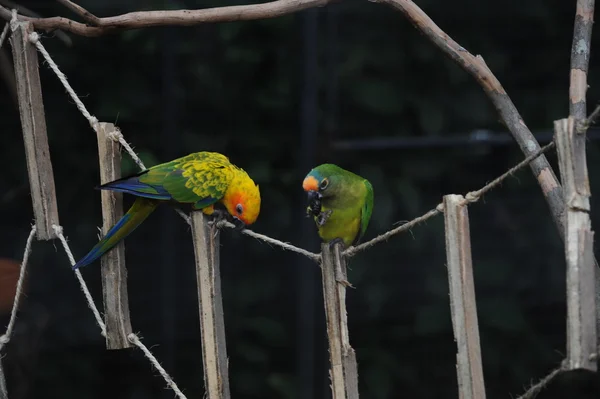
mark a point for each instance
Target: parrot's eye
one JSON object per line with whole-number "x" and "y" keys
{"x": 239, "y": 209}
{"x": 324, "y": 184}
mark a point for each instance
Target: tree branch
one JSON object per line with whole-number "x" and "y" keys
{"x": 144, "y": 19}
{"x": 9, "y": 4}
{"x": 476, "y": 66}
{"x": 82, "y": 12}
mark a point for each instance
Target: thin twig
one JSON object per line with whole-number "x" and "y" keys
{"x": 471, "y": 197}
{"x": 592, "y": 118}
{"x": 82, "y": 12}
{"x": 145, "y": 19}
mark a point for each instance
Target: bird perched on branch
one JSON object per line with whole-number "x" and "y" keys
{"x": 202, "y": 179}
{"x": 340, "y": 202}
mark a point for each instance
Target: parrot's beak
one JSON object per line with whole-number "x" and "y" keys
{"x": 314, "y": 203}
{"x": 239, "y": 225}
{"x": 314, "y": 196}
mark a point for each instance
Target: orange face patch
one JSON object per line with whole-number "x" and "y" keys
{"x": 248, "y": 198}
{"x": 310, "y": 184}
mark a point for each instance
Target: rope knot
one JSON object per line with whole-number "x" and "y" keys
{"x": 4, "y": 339}
{"x": 13, "y": 20}
{"x": 34, "y": 37}
{"x": 115, "y": 135}
{"x": 471, "y": 197}
{"x": 58, "y": 229}
{"x": 440, "y": 207}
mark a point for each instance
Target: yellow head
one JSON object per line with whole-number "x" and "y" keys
{"x": 242, "y": 198}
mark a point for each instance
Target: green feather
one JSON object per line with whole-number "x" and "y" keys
{"x": 348, "y": 198}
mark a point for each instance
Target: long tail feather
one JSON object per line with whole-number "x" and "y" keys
{"x": 133, "y": 185}
{"x": 139, "y": 211}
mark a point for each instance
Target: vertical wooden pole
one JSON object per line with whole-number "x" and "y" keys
{"x": 462, "y": 299}
{"x": 114, "y": 273}
{"x": 212, "y": 324}
{"x": 581, "y": 269}
{"x": 33, "y": 122}
{"x": 3, "y": 389}
{"x": 343, "y": 369}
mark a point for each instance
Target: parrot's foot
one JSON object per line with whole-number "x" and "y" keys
{"x": 336, "y": 241}
{"x": 219, "y": 215}
{"x": 323, "y": 217}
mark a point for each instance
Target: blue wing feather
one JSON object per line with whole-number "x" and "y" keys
{"x": 133, "y": 185}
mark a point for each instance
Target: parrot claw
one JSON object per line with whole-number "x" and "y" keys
{"x": 323, "y": 217}
{"x": 336, "y": 241}
{"x": 218, "y": 215}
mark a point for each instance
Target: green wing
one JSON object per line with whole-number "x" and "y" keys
{"x": 200, "y": 178}
{"x": 366, "y": 210}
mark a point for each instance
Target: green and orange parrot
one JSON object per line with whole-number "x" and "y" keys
{"x": 202, "y": 179}
{"x": 340, "y": 202}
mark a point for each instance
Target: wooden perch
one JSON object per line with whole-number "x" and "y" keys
{"x": 581, "y": 270}
{"x": 33, "y": 121}
{"x": 580, "y": 58}
{"x": 343, "y": 369}
{"x": 462, "y": 298}
{"x": 212, "y": 323}
{"x": 114, "y": 273}
{"x": 145, "y": 19}
{"x": 3, "y": 390}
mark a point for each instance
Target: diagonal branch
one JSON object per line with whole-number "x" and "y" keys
{"x": 82, "y": 12}
{"x": 144, "y": 19}
{"x": 476, "y": 66}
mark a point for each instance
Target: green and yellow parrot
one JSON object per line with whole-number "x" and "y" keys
{"x": 202, "y": 179}
{"x": 341, "y": 203}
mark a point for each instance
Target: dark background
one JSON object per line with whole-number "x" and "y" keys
{"x": 278, "y": 97}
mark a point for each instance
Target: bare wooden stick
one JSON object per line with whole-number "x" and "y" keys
{"x": 462, "y": 298}
{"x": 3, "y": 390}
{"x": 212, "y": 324}
{"x": 581, "y": 270}
{"x": 343, "y": 369}
{"x": 144, "y": 19}
{"x": 82, "y": 12}
{"x": 33, "y": 121}
{"x": 580, "y": 58}
{"x": 114, "y": 273}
